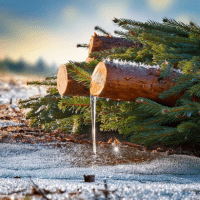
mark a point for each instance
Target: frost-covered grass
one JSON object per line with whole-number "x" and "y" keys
{"x": 16, "y": 90}
{"x": 168, "y": 177}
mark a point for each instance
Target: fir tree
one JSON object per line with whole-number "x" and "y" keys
{"x": 171, "y": 45}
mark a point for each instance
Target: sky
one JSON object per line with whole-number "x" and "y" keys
{"x": 51, "y": 29}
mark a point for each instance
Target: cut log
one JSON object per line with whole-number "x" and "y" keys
{"x": 68, "y": 86}
{"x": 100, "y": 43}
{"x": 126, "y": 83}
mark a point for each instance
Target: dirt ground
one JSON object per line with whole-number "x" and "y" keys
{"x": 25, "y": 134}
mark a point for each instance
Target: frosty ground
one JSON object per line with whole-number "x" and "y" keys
{"x": 53, "y": 169}
{"x": 60, "y": 169}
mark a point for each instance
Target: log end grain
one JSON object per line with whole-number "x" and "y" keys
{"x": 62, "y": 80}
{"x": 98, "y": 79}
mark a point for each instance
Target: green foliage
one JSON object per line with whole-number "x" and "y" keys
{"x": 82, "y": 45}
{"x": 42, "y": 83}
{"x": 53, "y": 111}
{"x": 79, "y": 73}
{"x": 44, "y": 109}
{"x": 74, "y": 103}
{"x": 102, "y": 31}
{"x": 170, "y": 45}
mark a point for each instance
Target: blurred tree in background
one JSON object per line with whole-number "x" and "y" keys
{"x": 23, "y": 67}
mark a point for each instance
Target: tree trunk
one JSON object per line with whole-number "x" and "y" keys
{"x": 126, "y": 83}
{"x": 100, "y": 43}
{"x": 68, "y": 86}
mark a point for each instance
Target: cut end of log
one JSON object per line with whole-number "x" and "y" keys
{"x": 62, "y": 80}
{"x": 98, "y": 79}
{"x": 67, "y": 85}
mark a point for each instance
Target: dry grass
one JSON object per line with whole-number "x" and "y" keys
{"x": 20, "y": 79}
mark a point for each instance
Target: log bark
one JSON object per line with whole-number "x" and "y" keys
{"x": 126, "y": 83}
{"x": 68, "y": 86}
{"x": 100, "y": 43}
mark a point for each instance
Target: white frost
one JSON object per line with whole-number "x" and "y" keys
{"x": 172, "y": 177}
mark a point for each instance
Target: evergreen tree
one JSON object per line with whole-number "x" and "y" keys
{"x": 8, "y": 64}
{"x": 3, "y": 68}
{"x": 20, "y": 66}
{"x": 171, "y": 45}
{"x": 40, "y": 66}
{"x": 53, "y": 68}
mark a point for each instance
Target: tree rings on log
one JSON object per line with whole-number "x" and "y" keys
{"x": 66, "y": 85}
{"x": 62, "y": 80}
{"x": 98, "y": 79}
{"x": 126, "y": 83}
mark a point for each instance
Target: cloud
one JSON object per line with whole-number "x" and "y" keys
{"x": 30, "y": 39}
{"x": 106, "y": 12}
{"x": 160, "y": 5}
{"x": 2, "y": 53}
{"x": 70, "y": 12}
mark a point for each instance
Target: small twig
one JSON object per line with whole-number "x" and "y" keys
{"x": 95, "y": 194}
{"x": 39, "y": 190}
{"x": 106, "y": 192}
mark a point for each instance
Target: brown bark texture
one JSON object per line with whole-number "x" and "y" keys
{"x": 126, "y": 83}
{"x": 68, "y": 86}
{"x": 100, "y": 43}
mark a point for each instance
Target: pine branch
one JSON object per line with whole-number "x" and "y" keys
{"x": 161, "y": 135}
{"x": 52, "y": 77}
{"x": 182, "y": 111}
{"x": 151, "y": 25}
{"x": 98, "y": 28}
{"x": 152, "y": 108}
{"x": 183, "y": 83}
{"x": 82, "y": 45}
{"x": 42, "y": 83}
{"x": 181, "y": 25}
{"x": 79, "y": 74}
{"x": 75, "y": 103}
{"x": 169, "y": 40}
{"x": 195, "y": 90}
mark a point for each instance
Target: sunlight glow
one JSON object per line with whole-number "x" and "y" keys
{"x": 108, "y": 11}
{"x": 184, "y": 18}
{"x": 159, "y": 6}
{"x": 71, "y": 12}
{"x": 116, "y": 149}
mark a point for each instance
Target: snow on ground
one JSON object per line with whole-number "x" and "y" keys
{"x": 11, "y": 92}
{"x": 15, "y": 92}
{"x": 171, "y": 177}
